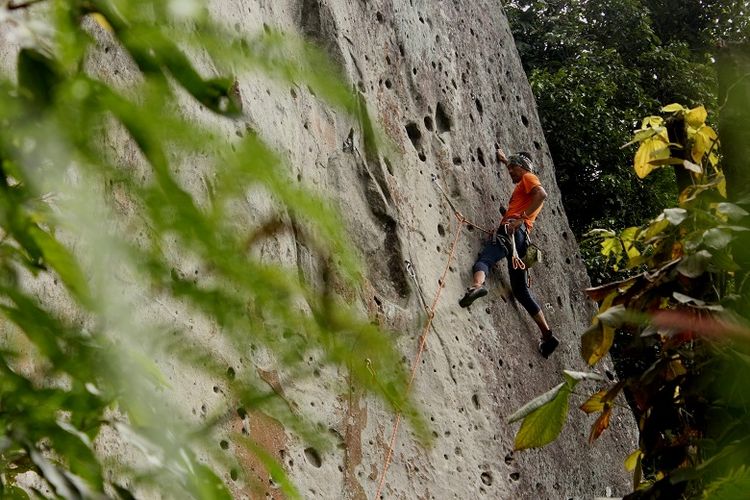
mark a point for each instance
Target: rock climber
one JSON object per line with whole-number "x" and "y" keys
{"x": 517, "y": 221}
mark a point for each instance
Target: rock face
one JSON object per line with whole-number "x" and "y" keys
{"x": 444, "y": 81}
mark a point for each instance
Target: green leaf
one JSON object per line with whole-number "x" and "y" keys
{"x": 717, "y": 238}
{"x": 542, "y": 425}
{"x": 14, "y": 493}
{"x": 205, "y": 484}
{"x": 684, "y": 299}
{"x": 63, "y": 262}
{"x": 275, "y": 470}
{"x": 536, "y": 403}
{"x": 733, "y": 486}
{"x": 694, "y": 265}
{"x": 732, "y": 211}
{"x": 614, "y": 317}
{"x": 722, "y": 260}
{"x": 573, "y": 377}
{"x": 675, "y": 215}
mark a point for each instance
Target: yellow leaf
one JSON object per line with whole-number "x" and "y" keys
{"x": 594, "y": 403}
{"x": 632, "y": 251}
{"x": 596, "y": 342}
{"x": 652, "y": 121}
{"x": 102, "y": 21}
{"x": 696, "y": 117}
{"x": 673, "y": 108}
{"x": 606, "y": 303}
{"x": 675, "y": 369}
{"x": 632, "y": 460}
{"x": 629, "y": 233}
{"x": 703, "y": 141}
{"x": 610, "y": 246}
{"x": 652, "y": 149}
{"x": 655, "y": 228}
{"x": 722, "y": 186}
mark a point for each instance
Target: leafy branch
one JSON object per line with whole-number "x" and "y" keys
{"x": 673, "y": 339}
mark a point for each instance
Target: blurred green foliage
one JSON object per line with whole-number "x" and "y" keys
{"x": 125, "y": 242}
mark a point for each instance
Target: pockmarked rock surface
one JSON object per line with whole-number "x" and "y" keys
{"x": 443, "y": 80}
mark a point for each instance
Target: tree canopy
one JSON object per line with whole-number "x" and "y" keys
{"x": 596, "y": 67}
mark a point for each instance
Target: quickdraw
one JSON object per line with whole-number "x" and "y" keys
{"x": 515, "y": 259}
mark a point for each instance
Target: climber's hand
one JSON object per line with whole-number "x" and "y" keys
{"x": 501, "y": 156}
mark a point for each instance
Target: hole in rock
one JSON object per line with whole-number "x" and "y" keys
{"x": 442, "y": 120}
{"x": 412, "y": 130}
{"x": 313, "y": 457}
{"x": 486, "y": 478}
{"x": 480, "y": 157}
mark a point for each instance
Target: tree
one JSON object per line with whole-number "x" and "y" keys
{"x": 125, "y": 234}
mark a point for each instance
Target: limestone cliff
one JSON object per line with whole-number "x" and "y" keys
{"x": 444, "y": 81}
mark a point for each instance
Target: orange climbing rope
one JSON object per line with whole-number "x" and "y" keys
{"x": 422, "y": 343}
{"x": 423, "y": 337}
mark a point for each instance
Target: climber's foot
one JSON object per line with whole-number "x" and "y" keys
{"x": 547, "y": 346}
{"x": 472, "y": 294}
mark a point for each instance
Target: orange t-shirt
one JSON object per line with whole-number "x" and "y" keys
{"x": 521, "y": 199}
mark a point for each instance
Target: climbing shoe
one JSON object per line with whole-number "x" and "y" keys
{"x": 547, "y": 347}
{"x": 471, "y": 295}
